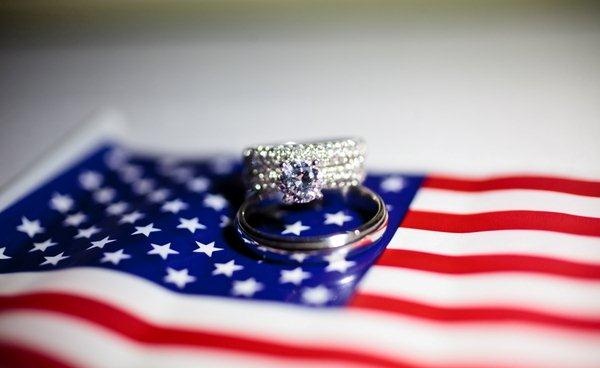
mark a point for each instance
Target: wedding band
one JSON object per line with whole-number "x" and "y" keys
{"x": 300, "y": 171}
{"x": 356, "y": 197}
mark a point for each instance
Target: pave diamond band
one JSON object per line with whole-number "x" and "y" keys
{"x": 302, "y": 170}
{"x": 329, "y": 153}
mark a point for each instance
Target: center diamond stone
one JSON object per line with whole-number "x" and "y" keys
{"x": 300, "y": 181}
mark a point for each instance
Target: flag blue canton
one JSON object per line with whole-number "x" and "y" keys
{"x": 170, "y": 221}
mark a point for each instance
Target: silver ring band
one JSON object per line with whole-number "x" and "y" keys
{"x": 364, "y": 235}
{"x": 300, "y": 171}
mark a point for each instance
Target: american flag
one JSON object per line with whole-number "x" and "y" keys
{"x": 126, "y": 259}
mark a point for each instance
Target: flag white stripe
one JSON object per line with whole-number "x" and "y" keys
{"x": 85, "y": 345}
{"x": 520, "y": 290}
{"x": 88, "y": 346}
{"x": 569, "y": 247}
{"x": 448, "y": 201}
{"x": 274, "y": 320}
{"x": 381, "y": 334}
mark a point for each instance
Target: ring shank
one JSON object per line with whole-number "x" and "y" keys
{"x": 365, "y": 234}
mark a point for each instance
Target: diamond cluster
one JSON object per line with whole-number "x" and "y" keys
{"x": 301, "y": 170}
{"x": 300, "y": 181}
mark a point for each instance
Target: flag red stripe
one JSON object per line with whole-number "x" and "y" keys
{"x": 365, "y": 300}
{"x": 564, "y": 185}
{"x": 502, "y": 220}
{"x": 486, "y": 263}
{"x": 142, "y": 331}
{"x": 16, "y": 356}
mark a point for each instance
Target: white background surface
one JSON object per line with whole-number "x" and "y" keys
{"x": 498, "y": 91}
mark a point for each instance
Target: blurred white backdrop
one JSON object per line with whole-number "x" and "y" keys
{"x": 498, "y": 89}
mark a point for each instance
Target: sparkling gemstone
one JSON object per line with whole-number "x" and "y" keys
{"x": 300, "y": 181}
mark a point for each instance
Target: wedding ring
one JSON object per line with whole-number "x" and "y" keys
{"x": 360, "y": 198}
{"x": 300, "y": 171}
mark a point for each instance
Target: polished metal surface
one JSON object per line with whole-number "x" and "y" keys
{"x": 366, "y": 234}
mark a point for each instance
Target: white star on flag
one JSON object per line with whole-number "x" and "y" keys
{"x": 316, "y": 295}
{"x": 207, "y": 249}
{"x": 130, "y": 173}
{"x": 167, "y": 162}
{"x": 337, "y": 262}
{"x": 190, "y": 224}
{"x": 296, "y": 228}
{"x": 215, "y": 201}
{"x": 101, "y": 243}
{"x": 181, "y": 174}
{"x": 246, "y": 288}
{"x": 61, "y": 202}
{"x": 341, "y": 265}
{"x": 166, "y": 165}
{"x": 162, "y": 250}
{"x": 393, "y": 184}
{"x": 159, "y": 195}
{"x": 131, "y": 217}
{"x": 222, "y": 164}
{"x": 114, "y": 257}
{"x": 226, "y": 269}
{"x": 42, "y": 246}
{"x": 104, "y": 195}
{"x": 54, "y": 259}
{"x": 145, "y": 230}
{"x": 225, "y": 221}
{"x": 2, "y": 255}
{"x": 31, "y": 228}
{"x": 75, "y": 219}
{"x": 90, "y": 180}
{"x": 198, "y": 184}
{"x": 143, "y": 186}
{"x": 179, "y": 277}
{"x": 295, "y": 276}
{"x": 116, "y": 158}
{"x": 174, "y": 206}
{"x": 117, "y": 208}
{"x": 337, "y": 218}
{"x": 298, "y": 257}
{"x": 87, "y": 233}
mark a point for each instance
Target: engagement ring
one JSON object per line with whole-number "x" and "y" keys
{"x": 301, "y": 171}
{"x": 281, "y": 175}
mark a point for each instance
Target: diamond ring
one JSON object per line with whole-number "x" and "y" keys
{"x": 297, "y": 173}
{"x": 300, "y": 171}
